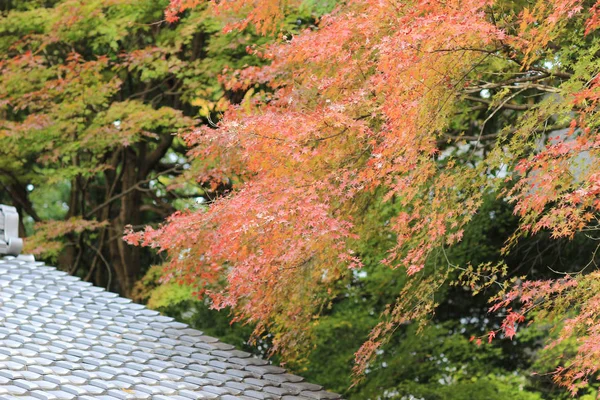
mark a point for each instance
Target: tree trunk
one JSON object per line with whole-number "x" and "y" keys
{"x": 125, "y": 259}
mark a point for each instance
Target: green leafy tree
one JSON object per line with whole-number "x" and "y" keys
{"x": 92, "y": 94}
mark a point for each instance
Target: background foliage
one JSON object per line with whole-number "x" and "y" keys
{"x": 93, "y": 93}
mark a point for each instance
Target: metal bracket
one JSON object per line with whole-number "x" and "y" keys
{"x": 10, "y": 243}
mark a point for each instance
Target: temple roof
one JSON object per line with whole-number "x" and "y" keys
{"x": 62, "y": 338}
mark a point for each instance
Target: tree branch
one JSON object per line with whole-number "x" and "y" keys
{"x": 153, "y": 158}
{"x": 508, "y": 106}
{"x": 137, "y": 186}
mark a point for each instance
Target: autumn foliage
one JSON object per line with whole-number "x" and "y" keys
{"x": 375, "y": 100}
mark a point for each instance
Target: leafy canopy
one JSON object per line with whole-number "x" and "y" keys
{"x": 434, "y": 105}
{"x": 92, "y": 94}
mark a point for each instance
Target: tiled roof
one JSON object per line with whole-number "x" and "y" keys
{"x": 62, "y": 338}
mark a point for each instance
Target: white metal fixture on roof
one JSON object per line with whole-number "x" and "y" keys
{"x": 10, "y": 243}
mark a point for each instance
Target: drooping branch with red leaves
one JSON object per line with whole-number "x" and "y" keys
{"x": 433, "y": 103}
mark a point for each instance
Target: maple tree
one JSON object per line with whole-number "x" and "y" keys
{"x": 91, "y": 96}
{"x": 433, "y": 103}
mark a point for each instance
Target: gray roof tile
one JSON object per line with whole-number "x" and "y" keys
{"x": 43, "y": 395}
{"x": 276, "y": 390}
{"x": 259, "y": 395}
{"x": 61, "y": 338}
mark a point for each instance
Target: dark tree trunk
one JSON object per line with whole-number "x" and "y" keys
{"x": 126, "y": 258}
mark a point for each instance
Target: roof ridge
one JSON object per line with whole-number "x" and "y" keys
{"x": 10, "y": 243}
